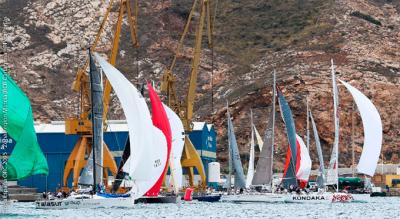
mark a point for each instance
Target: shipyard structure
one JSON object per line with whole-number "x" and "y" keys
{"x": 57, "y": 147}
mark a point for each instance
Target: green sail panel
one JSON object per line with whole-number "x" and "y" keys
{"x": 26, "y": 158}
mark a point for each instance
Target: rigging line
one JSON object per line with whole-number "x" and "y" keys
{"x": 137, "y": 66}
{"x": 212, "y": 25}
{"x": 115, "y": 137}
{"x": 212, "y": 81}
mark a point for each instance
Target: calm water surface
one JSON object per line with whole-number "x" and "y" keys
{"x": 376, "y": 208}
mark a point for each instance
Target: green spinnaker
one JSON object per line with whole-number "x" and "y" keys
{"x": 26, "y": 158}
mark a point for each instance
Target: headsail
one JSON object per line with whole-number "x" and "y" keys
{"x": 332, "y": 173}
{"x": 289, "y": 176}
{"x": 178, "y": 141}
{"x": 250, "y": 170}
{"x": 372, "y": 131}
{"x": 240, "y": 181}
{"x": 321, "y": 172}
{"x": 148, "y": 143}
{"x": 259, "y": 139}
{"x": 27, "y": 158}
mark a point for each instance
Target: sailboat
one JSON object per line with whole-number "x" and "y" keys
{"x": 147, "y": 144}
{"x": 262, "y": 180}
{"x": 26, "y": 158}
{"x": 372, "y": 125}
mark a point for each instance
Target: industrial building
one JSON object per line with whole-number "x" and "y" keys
{"x": 57, "y": 146}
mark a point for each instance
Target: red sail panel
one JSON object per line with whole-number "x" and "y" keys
{"x": 287, "y": 162}
{"x": 160, "y": 120}
{"x": 288, "y": 157}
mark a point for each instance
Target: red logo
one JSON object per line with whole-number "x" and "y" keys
{"x": 342, "y": 198}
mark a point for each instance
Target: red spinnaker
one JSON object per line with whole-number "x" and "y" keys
{"x": 160, "y": 120}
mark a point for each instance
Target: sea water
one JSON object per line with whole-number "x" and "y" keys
{"x": 381, "y": 208}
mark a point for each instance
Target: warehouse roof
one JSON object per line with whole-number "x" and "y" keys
{"x": 59, "y": 126}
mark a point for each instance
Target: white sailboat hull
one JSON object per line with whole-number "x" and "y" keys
{"x": 261, "y": 197}
{"x": 327, "y": 197}
{"x": 95, "y": 202}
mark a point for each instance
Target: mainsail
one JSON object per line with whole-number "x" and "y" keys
{"x": 263, "y": 175}
{"x": 26, "y": 158}
{"x": 240, "y": 181}
{"x": 332, "y": 173}
{"x": 250, "y": 170}
{"x": 321, "y": 172}
{"x": 372, "y": 131}
{"x": 289, "y": 176}
{"x": 148, "y": 144}
{"x": 178, "y": 141}
{"x": 160, "y": 120}
{"x": 96, "y": 90}
{"x": 89, "y": 176}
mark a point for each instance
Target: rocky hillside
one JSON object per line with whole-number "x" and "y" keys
{"x": 46, "y": 41}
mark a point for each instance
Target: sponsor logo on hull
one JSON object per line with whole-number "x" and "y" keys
{"x": 308, "y": 198}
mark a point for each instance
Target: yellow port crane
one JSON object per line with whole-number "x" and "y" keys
{"x": 81, "y": 125}
{"x": 190, "y": 158}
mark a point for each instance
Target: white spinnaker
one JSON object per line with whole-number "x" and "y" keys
{"x": 148, "y": 143}
{"x": 305, "y": 161}
{"x": 260, "y": 141}
{"x": 372, "y": 124}
{"x": 178, "y": 141}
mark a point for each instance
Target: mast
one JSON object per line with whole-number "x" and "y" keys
{"x": 230, "y": 150}
{"x": 352, "y": 142}
{"x": 96, "y": 92}
{"x": 336, "y": 118}
{"x": 308, "y": 126}
{"x": 273, "y": 124}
